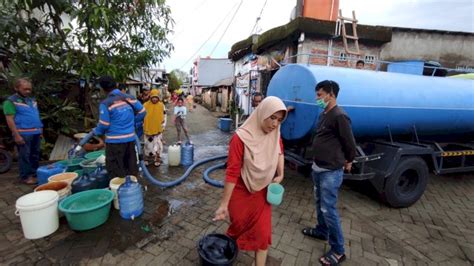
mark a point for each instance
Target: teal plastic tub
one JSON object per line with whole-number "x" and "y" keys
{"x": 79, "y": 172}
{"x": 95, "y": 154}
{"x": 72, "y": 165}
{"x": 88, "y": 166}
{"x": 88, "y": 209}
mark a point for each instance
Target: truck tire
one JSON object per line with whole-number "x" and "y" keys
{"x": 407, "y": 183}
{"x": 5, "y": 161}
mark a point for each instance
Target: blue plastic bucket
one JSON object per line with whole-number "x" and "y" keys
{"x": 225, "y": 124}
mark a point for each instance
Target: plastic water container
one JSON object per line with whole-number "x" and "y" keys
{"x": 66, "y": 177}
{"x": 44, "y": 172}
{"x": 101, "y": 176}
{"x": 225, "y": 124}
{"x": 83, "y": 183}
{"x": 187, "y": 154}
{"x": 114, "y": 186}
{"x": 94, "y": 154}
{"x": 62, "y": 188}
{"x": 174, "y": 155}
{"x": 38, "y": 213}
{"x": 130, "y": 196}
{"x": 275, "y": 194}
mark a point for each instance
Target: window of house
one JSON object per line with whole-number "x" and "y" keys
{"x": 342, "y": 56}
{"x": 369, "y": 59}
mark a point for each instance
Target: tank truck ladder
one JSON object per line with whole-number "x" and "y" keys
{"x": 342, "y": 23}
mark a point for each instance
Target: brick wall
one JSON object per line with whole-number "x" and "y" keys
{"x": 319, "y": 48}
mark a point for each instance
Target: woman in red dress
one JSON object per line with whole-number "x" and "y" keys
{"x": 255, "y": 160}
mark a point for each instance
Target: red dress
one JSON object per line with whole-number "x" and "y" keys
{"x": 250, "y": 213}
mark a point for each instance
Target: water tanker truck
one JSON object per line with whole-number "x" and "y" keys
{"x": 405, "y": 126}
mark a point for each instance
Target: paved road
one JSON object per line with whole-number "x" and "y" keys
{"x": 437, "y": 230}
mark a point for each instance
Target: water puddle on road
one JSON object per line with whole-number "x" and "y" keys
{"x": 117, "y": 234}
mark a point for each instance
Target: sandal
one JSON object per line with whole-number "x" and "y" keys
{"x": 314, "y": 233}
{"x": 330, "y": 259}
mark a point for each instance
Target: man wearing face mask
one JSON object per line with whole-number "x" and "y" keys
{"x": 334, "y": 150}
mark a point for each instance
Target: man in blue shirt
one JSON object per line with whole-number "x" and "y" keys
{"x": 23, "y": 119}
{"x": 119, "y": 113}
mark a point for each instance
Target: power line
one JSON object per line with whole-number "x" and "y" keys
{"x": 210, "y": 36}
{"x": 258, "y": 18}
{"x": 228, "y": 25}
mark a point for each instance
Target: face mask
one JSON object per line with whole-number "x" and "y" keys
{"x": 321, "y": 103}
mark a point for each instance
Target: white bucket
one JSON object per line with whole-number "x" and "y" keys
{"x": 38, "y": 213}
{"x": 114, "y": 186}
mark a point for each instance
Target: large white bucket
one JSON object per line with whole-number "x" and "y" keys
{"x": 38, "y": 213}
{"x": 114, "y": 186}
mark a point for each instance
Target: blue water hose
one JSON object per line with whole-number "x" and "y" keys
{"x": 86, "y": 139}
{"x": 173, "y": 183}
{"x": 213, "y": 182}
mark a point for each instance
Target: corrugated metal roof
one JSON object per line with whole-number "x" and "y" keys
{"x": 212, "y": 70}
{"x": 224, "y": 82}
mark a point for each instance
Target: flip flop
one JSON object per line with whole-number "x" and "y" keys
{"x": 314, "y": 233}
{"x": 330, "y": 259}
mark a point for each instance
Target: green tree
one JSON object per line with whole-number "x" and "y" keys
{"x": 114, "y": 37}
{"x": 56, "y": 42}
{"x": 181, "y": 75}
{"x": 173, "y": 82}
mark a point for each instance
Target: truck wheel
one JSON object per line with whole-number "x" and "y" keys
{"x": 407, "y": 183}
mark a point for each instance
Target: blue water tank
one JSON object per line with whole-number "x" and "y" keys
{"x": 130, "y": 196}
{"x": 376, "y": 101}
{"x": 44, "y": 172}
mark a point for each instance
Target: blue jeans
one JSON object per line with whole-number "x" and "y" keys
{"x": 29, "y": 154}
{"x": 326, "y": 188}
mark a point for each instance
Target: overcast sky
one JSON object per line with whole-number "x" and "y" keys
{"x": 199, "y": 21}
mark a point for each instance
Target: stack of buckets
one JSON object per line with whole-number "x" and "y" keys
{"x": 38, "y": 211}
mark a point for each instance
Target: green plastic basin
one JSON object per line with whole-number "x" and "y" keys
{"x": 73, "y": 164}
{"x": 94, "y": 155}
{"x": 79, "y": 172}
{"x": 88, "y": 166}
{"x": 88, "y": 209}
